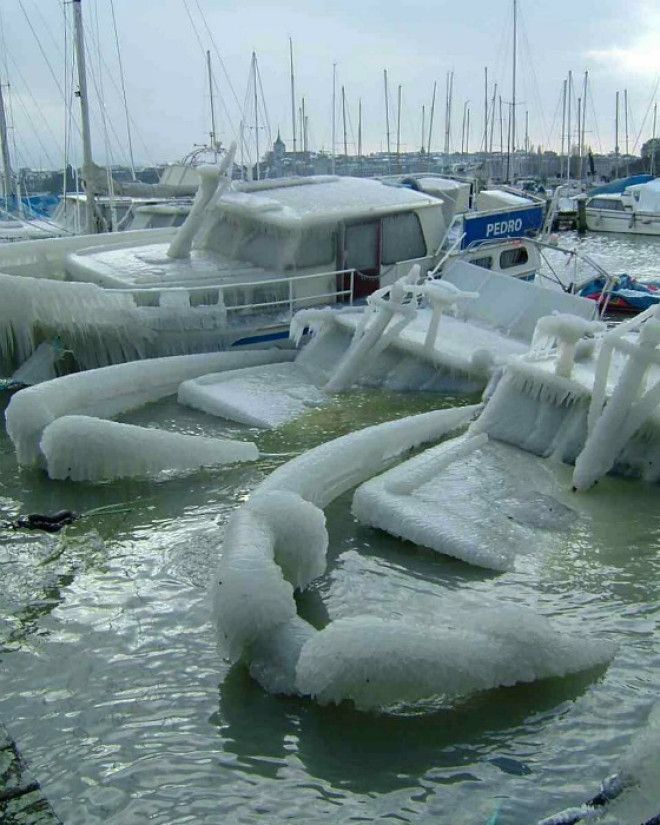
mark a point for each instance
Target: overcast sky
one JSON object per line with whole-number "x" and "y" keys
{"x": 417, "y": 41}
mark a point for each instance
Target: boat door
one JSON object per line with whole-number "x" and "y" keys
{"x": 360, "y": 250}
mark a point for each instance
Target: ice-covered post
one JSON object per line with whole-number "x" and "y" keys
{"x": 366, "y": 338}
{"x": 630, "y": 405}
{"x": 212, "y": 181}
{"x": 566, "y": 330}
{"x": 441, "y": 296}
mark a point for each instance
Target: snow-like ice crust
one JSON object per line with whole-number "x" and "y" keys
{"x": 108, "y": 323}
{"x": 108, "y": 391}
{"x": 264, "y": 396}
{"x": 277, "y": 543}
{"x": 83, "y": 448}
{"x": 379, "y": 662}
{"x": 444, "y": 499}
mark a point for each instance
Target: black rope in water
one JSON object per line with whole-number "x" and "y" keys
{"x": 42, "y": 521}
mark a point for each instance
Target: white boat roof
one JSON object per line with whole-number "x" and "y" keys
{"x": 149, "y": 266}
{"x": 321, "y": 199}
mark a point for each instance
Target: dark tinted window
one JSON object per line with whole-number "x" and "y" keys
{"x": 485, "y": 262}
{"x": 513, "y": 257}
{"x": 402, "y": 238}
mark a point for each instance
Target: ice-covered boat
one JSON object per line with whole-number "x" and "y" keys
{"x": 232, "y": 275}
{"x": 625, "y": 294}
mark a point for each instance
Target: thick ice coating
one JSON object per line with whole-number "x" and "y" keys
{"x": 277, "y": 542}
{"x": 443, "y": 499}
{"x": 108, "y": 391}
{"x": 378, "y": 662}
{"x": 83, "y": 448}
{"x": 273, "y": 544}
{"x": 108, "y": 322}
{"x": 264, "y": 396}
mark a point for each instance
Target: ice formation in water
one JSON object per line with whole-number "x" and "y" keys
{"x": 277, "y": 543}
{"x": 264, "y": 396}
{"x": 378, "y": 662}
{"x": 83, "y": 448}
{"x": 108, "y": 391}
{"x": 444, "y": 499}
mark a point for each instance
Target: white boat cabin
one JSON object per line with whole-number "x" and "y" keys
{"x": 634, "y": 211}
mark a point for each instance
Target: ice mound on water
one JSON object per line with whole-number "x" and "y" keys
{"x": 379, "y": 662}
{"x": 274, "y": 544}
{"x": 107, "y": 391}
{"x": 264, "y": 396}
{"x": 443, "y": 499}
{"x": 277, "y": 542}
{"x": 83, "y": 448}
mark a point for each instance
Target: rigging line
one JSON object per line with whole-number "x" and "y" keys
{"x": 38, "y": 108}
{"x": 536, "y": 92}
{"x": 123, "y": 89}
{"x": 263, "y": 105}
{"x": 104, "y": 114}
{"x": 41, "y": 48}
{"x": 89, "y": 39}
{"x": 217, "y": 52}
{"x": 647, "y": 113}
{"x": 224, "y": 108}
{"x": 36, "y": 133}
{"x": 595, "y": 119}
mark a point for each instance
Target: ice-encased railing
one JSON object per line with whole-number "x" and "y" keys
{"x": 100, "y": 325}
{"x": 83, "y": 448}
{"x": 108, "y": 391}
{"x": 277, "y": 543}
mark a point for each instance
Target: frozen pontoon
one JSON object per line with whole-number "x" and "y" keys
{"x": 233, "y": 274}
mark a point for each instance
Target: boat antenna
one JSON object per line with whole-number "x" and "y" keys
{"x": 84, "y": 113}
{"x": 256, "y": 112}
{"x": 653, "y": 138}
{"x": 343, "y": 115}
{"x": 398, "y": 126}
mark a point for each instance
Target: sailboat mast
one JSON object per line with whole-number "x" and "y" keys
{"x": 343, "y": 115}
{"x": 423, "y": 126}
{"x": 513, "y": 83}
{"x": 398, "y": 124}
{"x": 334, "y": 115}
{"x": 616, "y": 136}
{"x": 212, "y": 134}
{"x": 569, "y": 89}
{"x": 303, "y": 127}
{"x": 256, "y": 113}
{"x": 485, "y": 109}
{"x": 428, "y": 142}
{"x": 387, "y": 118}
{"x": 6, "y": 162}
{"x": 359, "y": 146}
{"x": 655, "y": 123}
{"x": 84, "y": 114}
{"x": 492, "y": 118}
{"x": 293, "y": 96}
{"x": 625, "y": 120}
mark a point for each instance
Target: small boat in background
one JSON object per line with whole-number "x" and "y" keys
{"x": 627, "y": 294}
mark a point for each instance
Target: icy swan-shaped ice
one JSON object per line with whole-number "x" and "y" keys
{"x": 276, "y": 544}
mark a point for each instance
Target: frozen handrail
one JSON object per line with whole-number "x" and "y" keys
{"x": 441, "y": 296}
{"x": 611, "y": 425}
{"x": 566, "y": 331}
{"x": 212, "y": 182}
